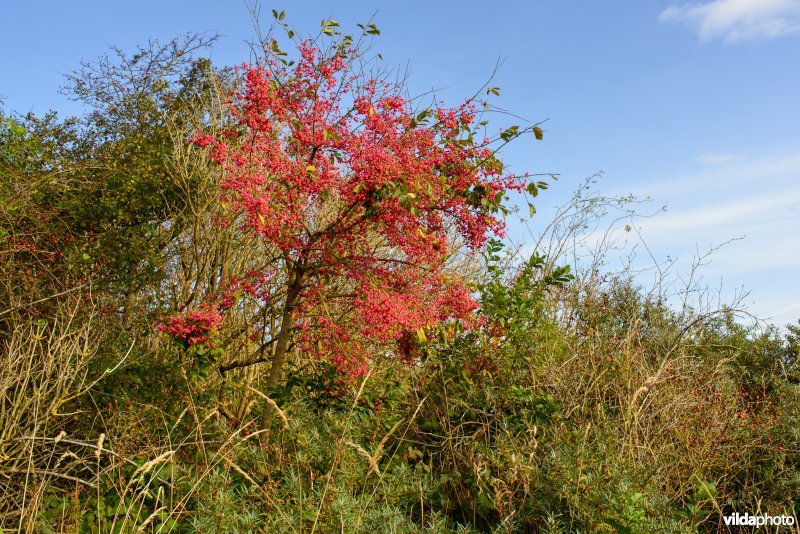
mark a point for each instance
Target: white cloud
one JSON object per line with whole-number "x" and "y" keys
{"x": 719, "y": 158}
{"x": 778, "y": 314}
{"x": 747, "y": 214}
{"x": 756, "y": 199}
{"x": 772, "y": 170}
{"x": 738, "y": 20}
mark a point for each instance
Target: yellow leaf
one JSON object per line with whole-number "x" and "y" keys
{"x": 421, "y": 335}
{"x": 311, "y": 168}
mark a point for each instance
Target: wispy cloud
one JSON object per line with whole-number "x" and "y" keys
{"x": 738, "y": 20}
{"x": 745, "y": 211}
{"x": 778, "y": 314}
{"x": 719, "y": 158}
{"x": 773, "y": 170}
{"x": 740, "y": 213}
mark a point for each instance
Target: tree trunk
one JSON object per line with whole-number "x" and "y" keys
{"x": 282, "y": 344}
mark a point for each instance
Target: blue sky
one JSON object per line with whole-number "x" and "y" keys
{"x": 694, "y": 104}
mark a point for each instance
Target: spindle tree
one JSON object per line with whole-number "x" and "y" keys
{"x": 363, "y": 195}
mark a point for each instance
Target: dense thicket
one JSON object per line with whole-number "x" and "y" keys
{"x": 134, "y": 399}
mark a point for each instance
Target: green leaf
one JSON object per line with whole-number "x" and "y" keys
{"x": 328, "y": 26}
{"x": 538, "y": 133}
{"x": 509, "y": 133}
{"x": 309, "y": 515}
{"x": 618, "y": 527}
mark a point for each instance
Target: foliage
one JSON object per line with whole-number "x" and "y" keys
{"x": 358, "y": 196}
{"x": 163, "y": 249}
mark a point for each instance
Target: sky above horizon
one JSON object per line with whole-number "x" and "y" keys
{"x": 692, "y": 104}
